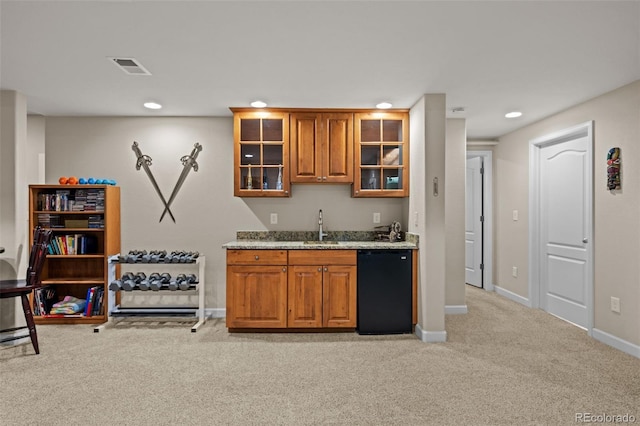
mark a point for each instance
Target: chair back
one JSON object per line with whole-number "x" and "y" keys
{"x": 41, "y": 240}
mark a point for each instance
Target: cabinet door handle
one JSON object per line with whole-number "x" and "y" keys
{"x": 319, "y": 178}
{"x": 284, "y": 269}
{"x": 257, "y": 257}
{"x": 326, "y": 269}
{"x": 319, "y": 269}
{"x": 324, "y": 178}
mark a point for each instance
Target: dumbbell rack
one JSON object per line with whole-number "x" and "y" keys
{"x": 117, "y": 310}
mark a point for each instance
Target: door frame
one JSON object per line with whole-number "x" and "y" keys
{"x": 487, "y": 226}
{"x": 535, "y": 146}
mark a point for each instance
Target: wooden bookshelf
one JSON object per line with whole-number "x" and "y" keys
{"x": 74, "y": 268}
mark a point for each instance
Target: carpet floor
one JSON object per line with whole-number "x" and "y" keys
{"x": 503, "y": 364}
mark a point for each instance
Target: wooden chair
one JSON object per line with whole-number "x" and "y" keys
{"x": 22, "y": 288}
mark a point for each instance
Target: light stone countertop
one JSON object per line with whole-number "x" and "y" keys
{"x": 315, "y": 245}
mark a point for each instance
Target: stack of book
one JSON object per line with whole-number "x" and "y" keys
{"x": 96, "y": 221}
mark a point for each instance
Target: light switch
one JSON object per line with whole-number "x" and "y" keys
{"x": 376, "y": 218}
{"x": 515, "y": 215}
{"x": 274, "y": 218}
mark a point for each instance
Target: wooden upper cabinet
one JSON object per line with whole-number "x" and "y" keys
{"x": 381, "y": 154}
{"x": 321, "y": 146}
{"x": 261, "y": 153}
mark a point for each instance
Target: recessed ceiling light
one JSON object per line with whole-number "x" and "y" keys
{"x": 152, "y": 105}
{"x": 384, "y": 105}
{"x": 258, "y": 104}
{"x": 248, "y": 155}
{"x": 513, "y": 114}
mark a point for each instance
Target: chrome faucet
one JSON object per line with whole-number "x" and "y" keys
{"x": 321, "y": 234}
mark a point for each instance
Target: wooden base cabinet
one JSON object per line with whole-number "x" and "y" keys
{"x": 315, "y": 289}
{"x": 256, "y": 288}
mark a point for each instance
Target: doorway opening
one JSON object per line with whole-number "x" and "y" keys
{"x": 479, "y": 219}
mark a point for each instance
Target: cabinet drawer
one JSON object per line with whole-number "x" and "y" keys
{"x": 256, "y": 257}
{"x": 322, "y": 257}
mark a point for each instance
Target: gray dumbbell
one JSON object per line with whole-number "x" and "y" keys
{"x": 115, "y": 285}
{"x": 118, "y": 284}
{"x": 131, "y": 284}
{"x": 173, "y": 284}
{"x": 145, "y": 282}
{"x": 160, "y": 281}
{"x": 186, "y": 281}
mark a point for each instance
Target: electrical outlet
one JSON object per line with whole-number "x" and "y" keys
{"x": 274, "y": 218}
{"x": 376, "y": 218}
{"x": 415, "y": 219}
{"x": 514, "y": 271}
{"x": 615, "y": 304}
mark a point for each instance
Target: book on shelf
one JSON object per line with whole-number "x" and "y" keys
{"x": 63, "y": 315}
{"x": 88, "y": 307}
{"x": 72, "y": 244}
{"x": 43, "y": 300}
{"x": 65, "y": 200}
{"x": 94, "y": 301}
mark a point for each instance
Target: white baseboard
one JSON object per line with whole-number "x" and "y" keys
{"x": 17, "y": 335}
{"x": 456, "y": 309}
{"x": 616, "y": 342}
{"x": 512, "y": 296}
{"x": 215, "y": 313}
{"x": 430, "y": 336}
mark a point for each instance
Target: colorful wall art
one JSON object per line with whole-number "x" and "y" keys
{"x": 613, "y": 169}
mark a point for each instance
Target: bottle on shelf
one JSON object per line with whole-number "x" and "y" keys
{"x": 279, "y": 181}
{"x": 249, "y": 178}
{"x": 372, "y": 180}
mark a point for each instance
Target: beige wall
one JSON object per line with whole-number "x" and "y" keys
{"x": 13, "y": 201}
{"x": 616, "y": 117}
{"x": 427, "y": 212}
{"x": 455, "y": 158}
{"x": 207, "y": 214}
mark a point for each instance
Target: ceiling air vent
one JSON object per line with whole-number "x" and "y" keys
{"x": 130, "y": 66}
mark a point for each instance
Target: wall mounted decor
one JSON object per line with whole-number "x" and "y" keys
{"x": 188, "y": 162}
{"x": 613, "y": 169}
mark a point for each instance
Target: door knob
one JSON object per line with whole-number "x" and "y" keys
{"x": 585, "y": 240}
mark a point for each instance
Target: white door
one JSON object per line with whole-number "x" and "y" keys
{"x": 565, "y": 228}
{"x": 473, "y": 222}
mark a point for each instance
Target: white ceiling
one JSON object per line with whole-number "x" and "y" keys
{"x": 206, "y": 56}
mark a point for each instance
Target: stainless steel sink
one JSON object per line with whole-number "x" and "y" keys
{"x": 320, "y": 242}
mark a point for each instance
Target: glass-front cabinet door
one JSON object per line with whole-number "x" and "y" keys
{"x": 381, "y": 154}
{"x": 261, "y": 154}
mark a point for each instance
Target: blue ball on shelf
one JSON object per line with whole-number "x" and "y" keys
{"x": 99, "y": 182}
{"x": 91, "y": 181}
{"x": 82, "y": 181}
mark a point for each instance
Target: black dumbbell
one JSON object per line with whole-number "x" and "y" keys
{"x": 186, "y": 281}
{"x": 160, "y": 281}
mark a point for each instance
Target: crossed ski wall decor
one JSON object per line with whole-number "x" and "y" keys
{"x": 188, "y": 162}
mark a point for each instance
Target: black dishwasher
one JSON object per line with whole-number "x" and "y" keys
{"x": 384, "y": 292}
